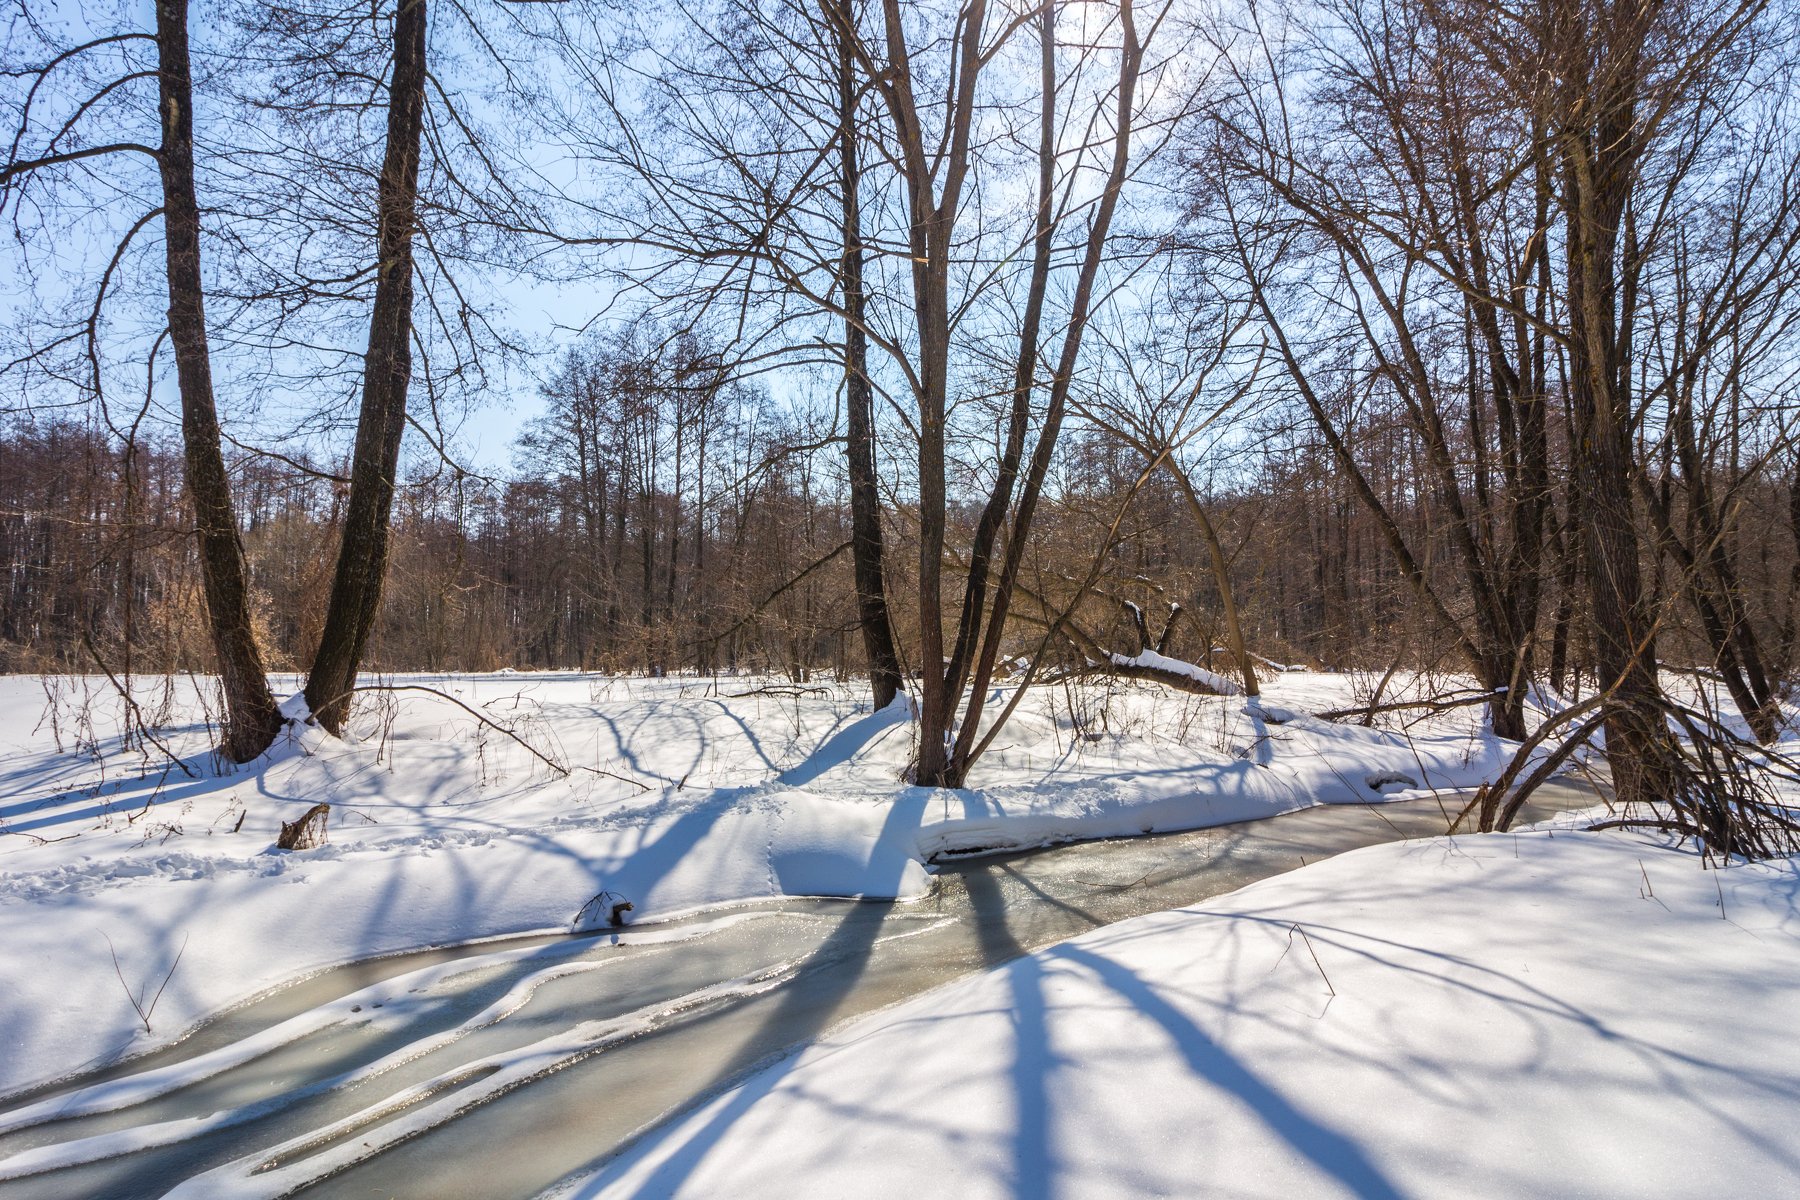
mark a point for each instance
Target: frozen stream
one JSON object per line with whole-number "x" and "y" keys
{"x": 497, "y": 1069}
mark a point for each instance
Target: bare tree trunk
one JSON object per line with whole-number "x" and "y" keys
{"x": 931, "y": 231}
{"x": 387, "y": 370}
{"x": 1567, "y": 558}
{"x": 1234, "y": 631}
{"x": 967, "y": 748}
{"x": 1025, "y": 366}
{"x": 251, "y": 716}
{"x": 1597, "y": 166}
{"x": 865, "y": 502}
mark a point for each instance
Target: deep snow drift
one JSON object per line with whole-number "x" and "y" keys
{"x": 122, "y": 879}
{"x": 1531, "y": 1015}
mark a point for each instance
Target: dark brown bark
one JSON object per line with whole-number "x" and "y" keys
{"x": 866, "y": 547}
{"x": 1598, "y": 146}
{"x": 933, "y": 209}
{"x": 387, "y": 370}
{"x": 1566, "y": 581}
{"x": 251, "y": 716}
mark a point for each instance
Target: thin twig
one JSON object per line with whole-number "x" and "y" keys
{"x": 477, "y": 714}
{"x": 136, "y": 713}
{"x": 1292, "y": 930}
{"x": 143, "y": 1013}
{"x": 1435, "y": 703}
{"x": 637, "y": 783}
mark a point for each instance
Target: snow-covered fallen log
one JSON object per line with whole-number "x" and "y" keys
{"x": 1176, "y": 673}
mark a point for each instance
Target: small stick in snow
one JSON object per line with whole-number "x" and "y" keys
{"x": 636, "y": 783}
{"x": 1647, "y": 892}
{"x": 1292, "y": 930}
{"x": 142, "y": 1012}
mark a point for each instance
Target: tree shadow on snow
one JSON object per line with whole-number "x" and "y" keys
{"x": 804, "y": 1006}
{"x": 1331, "y": 1151}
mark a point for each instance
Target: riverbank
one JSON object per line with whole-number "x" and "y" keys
{"x": 147, "y": 894}
{"x": 1532, "y": 1015}
{"x": 397, "y": 1076}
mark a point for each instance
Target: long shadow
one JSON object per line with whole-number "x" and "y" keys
{"x": 805, "y": 1006}
{"x": 1074, "y": 910}
{"x": 1326, "y": 1148}
{"x": 1033, "y": 1158}
{"x": 845, "y": 743}
{"x": 138, "y": 790}
{"x": 749, "y": 735}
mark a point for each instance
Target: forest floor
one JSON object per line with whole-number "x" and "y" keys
{"x": 1378, "y": 1024}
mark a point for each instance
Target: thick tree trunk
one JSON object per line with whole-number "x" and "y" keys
{"x": 387, "y": 370}
{"x": 1639, "y": 749}
{"x": 251, "y": 716}
{"x": 865, "y": 502}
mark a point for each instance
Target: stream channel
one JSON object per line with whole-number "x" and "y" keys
{"x": 497, "y": 1069}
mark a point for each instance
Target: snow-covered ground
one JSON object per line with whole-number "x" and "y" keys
{"x": 125, "y": 883}
{"x": 1531, "y": 1015}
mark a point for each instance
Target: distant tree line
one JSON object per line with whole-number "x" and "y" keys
{"x": 590, "y": 554}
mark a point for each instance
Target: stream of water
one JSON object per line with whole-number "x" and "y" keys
{"x": 497, "y": 1069}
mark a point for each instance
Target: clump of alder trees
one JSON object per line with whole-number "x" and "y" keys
{"x": 936, "y": 342}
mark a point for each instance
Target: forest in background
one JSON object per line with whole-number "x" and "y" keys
{"x": 588, "y": 558}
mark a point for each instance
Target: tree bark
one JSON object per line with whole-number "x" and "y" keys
{"x": 1597, "y": 160}
{"x": 387, "y": 370}
{"x": 865, "y": 502}
{"x": 251, "y": 716}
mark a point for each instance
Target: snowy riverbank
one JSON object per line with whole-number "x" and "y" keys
{"x": 1509, "y": 1016}
{"x": 679, "y": 794}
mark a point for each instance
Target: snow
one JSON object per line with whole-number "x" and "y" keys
{"x": 1175, "y": 666}
{"x": 679, "y": 795}
{"x": 1543, "y": 1014}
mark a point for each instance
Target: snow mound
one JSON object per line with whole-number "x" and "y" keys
{"x": 1508, "y": 1016}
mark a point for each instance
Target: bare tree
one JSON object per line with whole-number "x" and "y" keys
{"x": 252, "y": 718}
{"x": 1426, "y": 205}
{"x": 885, "y": 675}
{"x": 387, "y": 372}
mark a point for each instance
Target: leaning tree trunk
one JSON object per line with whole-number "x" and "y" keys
{"x": 865, "y": 502}
{"x": 387, "y": 369}
{"x": 251, "y": 716}
{"x": 1234, "y": 630}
